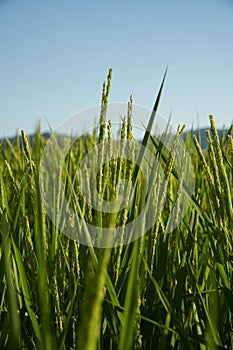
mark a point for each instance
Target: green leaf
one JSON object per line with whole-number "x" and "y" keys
{"x": 130, "y": 306}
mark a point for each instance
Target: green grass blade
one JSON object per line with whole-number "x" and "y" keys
{"x": 14, "y": 320}
{"x": 130, "y": 306}
{"x": 89, "y": 330}
{"x": 29, "y": 302}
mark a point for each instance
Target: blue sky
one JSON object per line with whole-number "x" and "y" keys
{"x": 55, "y": 55}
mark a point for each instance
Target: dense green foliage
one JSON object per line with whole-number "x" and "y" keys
{"x": 163, "y": 291}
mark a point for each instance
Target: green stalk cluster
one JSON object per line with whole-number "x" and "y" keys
{"x": 165, "y": 290}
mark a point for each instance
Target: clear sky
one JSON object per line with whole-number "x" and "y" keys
{"x": 54, "y": 56}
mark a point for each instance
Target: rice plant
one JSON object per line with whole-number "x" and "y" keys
{"x": 161, "y": 291}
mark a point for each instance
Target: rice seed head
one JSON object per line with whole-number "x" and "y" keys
{"x": 88, "y": 194}
{"x": 12, "y": 178}
{"x": 230, "y": 146}
{"x": 204, "y": 163}
{"x": 104, "y": 106}
{"x": 222, "y": 171}
{"x": 123, "y": 129}
{"x": 214, "y": 169}
{"x": 130, "y": 119}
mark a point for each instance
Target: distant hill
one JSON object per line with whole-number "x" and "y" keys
{"x": 201, "y": 132}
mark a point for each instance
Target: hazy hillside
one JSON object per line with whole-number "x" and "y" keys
{"x": 201, "y": 133}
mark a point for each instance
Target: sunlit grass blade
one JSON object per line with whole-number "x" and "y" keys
{"x": 130, "y": 306}
{"x": 89, "y": 331}
{"x": 14, "y": 319}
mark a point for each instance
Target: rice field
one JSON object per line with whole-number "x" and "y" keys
{"x": 163, "y": 290}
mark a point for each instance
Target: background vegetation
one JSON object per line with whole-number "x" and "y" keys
{"x": 162, "y": 291}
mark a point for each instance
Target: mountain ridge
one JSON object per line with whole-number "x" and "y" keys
{"x": 199, "y": 133}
